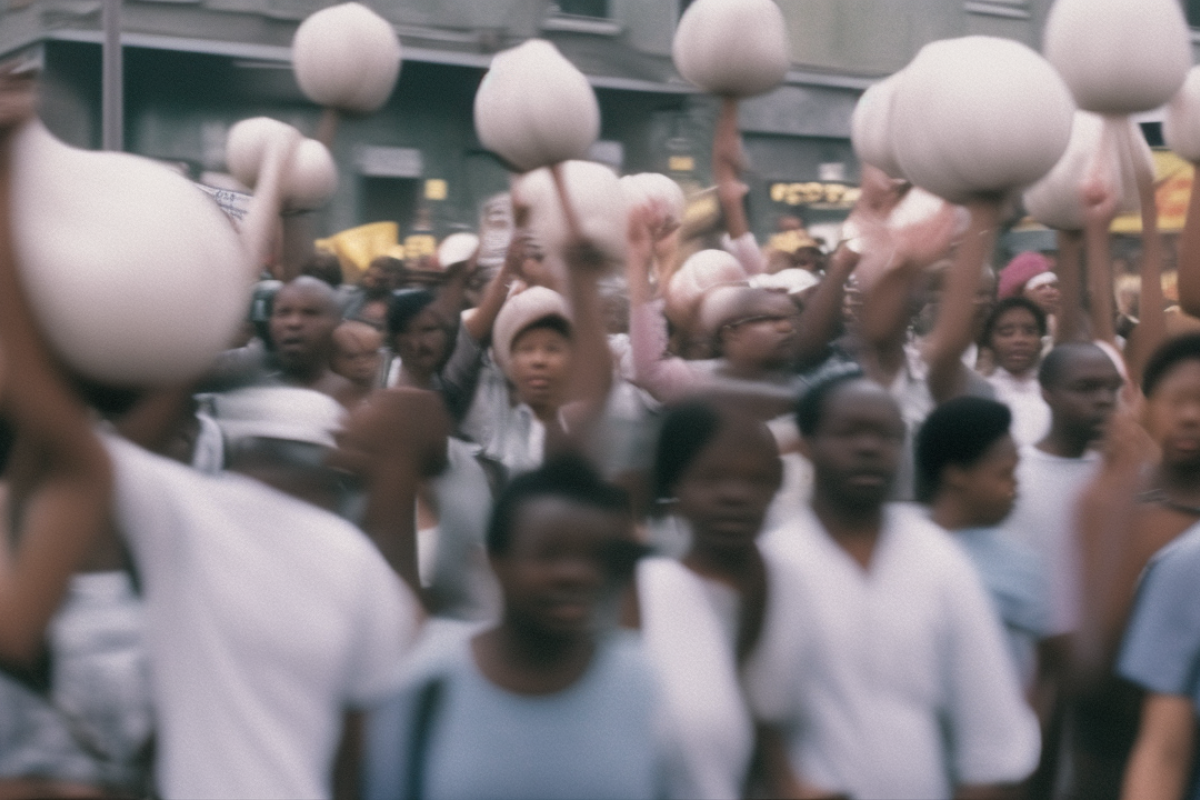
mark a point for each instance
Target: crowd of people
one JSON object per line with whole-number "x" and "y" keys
{"x": 869, "y": 520}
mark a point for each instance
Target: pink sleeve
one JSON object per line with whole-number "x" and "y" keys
{"x": 665, "y": 377}
{"x": 746, "y": 250}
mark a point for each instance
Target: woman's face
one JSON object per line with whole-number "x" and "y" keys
{"x": 725, "y": 491}
{"x": 559, "y": 564}
{"x": 1016, "y": 341}
{"x": 1045, "y": 296}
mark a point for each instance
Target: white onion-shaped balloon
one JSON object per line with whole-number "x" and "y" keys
{"x": 311, "y": 177}
{"x": 594, "y": 193}
{"x": 1181, "y": 127}
{"x": 135, "y": 276}
{"x": 979, "y": 114}
{"x": 1055, "y": 200}
{"x": 701, "y": 272}
{"x": 732, "y": 47}
{"x": 247, "y": 145}
{"x": 534, "y": 108}
{"x": 871, "y": 127}
{"x": 663, "y": 196}
{"x": 346, "y": 57}
{"x": 1119, "y": 56}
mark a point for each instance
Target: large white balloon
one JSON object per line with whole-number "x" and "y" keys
{"x": 346, "y": 57}
{"x": 979, "y": 114}
{"x": 656, "y": 191}
{"x": 871, "y": 127}
{"x": 135, "y": 276}
{"x": 1093, "y": 153}
{"x": 534, "y": 108}
{"x": 1181, "y": 128}
{"x": 701, "y": 272}
{"x": 311, "y": 177}
{"x": 594, "y": 193}
{"x": 1119, "y": 56}
{"x": 732, "y": 47}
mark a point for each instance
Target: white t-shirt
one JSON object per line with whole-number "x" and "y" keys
{"x": 1048, "y": 489}
{"x": 1023, "y": 396}
{"x": 265, "y": 618}
{"x": 896, "y": 681}
{"x": 684, "y": 628}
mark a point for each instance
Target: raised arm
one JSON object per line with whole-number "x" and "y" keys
{"x": 885, "y": 312}
{"x": 478, "y": 323}
{"x": 953, "y": 332}
{"x": 663, "y": 376}
{"x": 727, "y": 169}
{"x": 1189, "y": 259}
{"x": 1072, "y": 319}
{"x": 821, "y": 318}
{"x": 1100, "y": 207}
{"x": 1151, "y": 330}
{"x": 60, "y": 474}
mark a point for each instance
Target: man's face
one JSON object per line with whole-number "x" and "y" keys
{"x": 422, "y": 345}
{"x": 856, "y": 449}
{"x": 765, "y": 336}
{"x": 356, "y": 355}
{"x": 302, "y": 323}
{"x": 374, "y": 280}
{"x": 990, "y": 485}
{"x": 558, "y": 564}
{"x": 1173, "y": 415}
{"x": 1085, "y": 395}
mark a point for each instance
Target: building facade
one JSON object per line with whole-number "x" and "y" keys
{"x": 192, "y": 68}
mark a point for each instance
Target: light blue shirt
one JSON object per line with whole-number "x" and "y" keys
{"x": 1016, "y": 580}
{"x": 1161, "y": 652}
{"x": 595, "y": 739}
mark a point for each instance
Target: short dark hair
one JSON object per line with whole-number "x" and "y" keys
{"x": 324, "y": 265}
{"x": 810, "y": 408}
{"x": 1166, "y": 357}
{"x": 567, "y": 476}
{"x": 1008, "y": 304}
{"x": 687, "y": 429}
{"x": 404, "y": 307}
{"x": 1056, "y": 362}
{"x": 956, "y": 433}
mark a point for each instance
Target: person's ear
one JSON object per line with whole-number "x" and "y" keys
{"x": 954, "y": 477}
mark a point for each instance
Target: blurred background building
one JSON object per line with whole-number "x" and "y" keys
{"x": 192, "y": 68}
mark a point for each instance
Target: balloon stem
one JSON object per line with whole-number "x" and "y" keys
{"x": 327, "y": 126}
{"x": 568, "y": 210}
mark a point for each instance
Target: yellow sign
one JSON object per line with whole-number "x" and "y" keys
{"x": 815, "y": 193}
{"x": 681, "y": 164}
{"x": 357, "y": 246}
{"x": 435, "y": 189}
{"x": 1173, "y": 178}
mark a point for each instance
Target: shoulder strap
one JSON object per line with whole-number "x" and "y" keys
{"x": 424, "y": 716}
